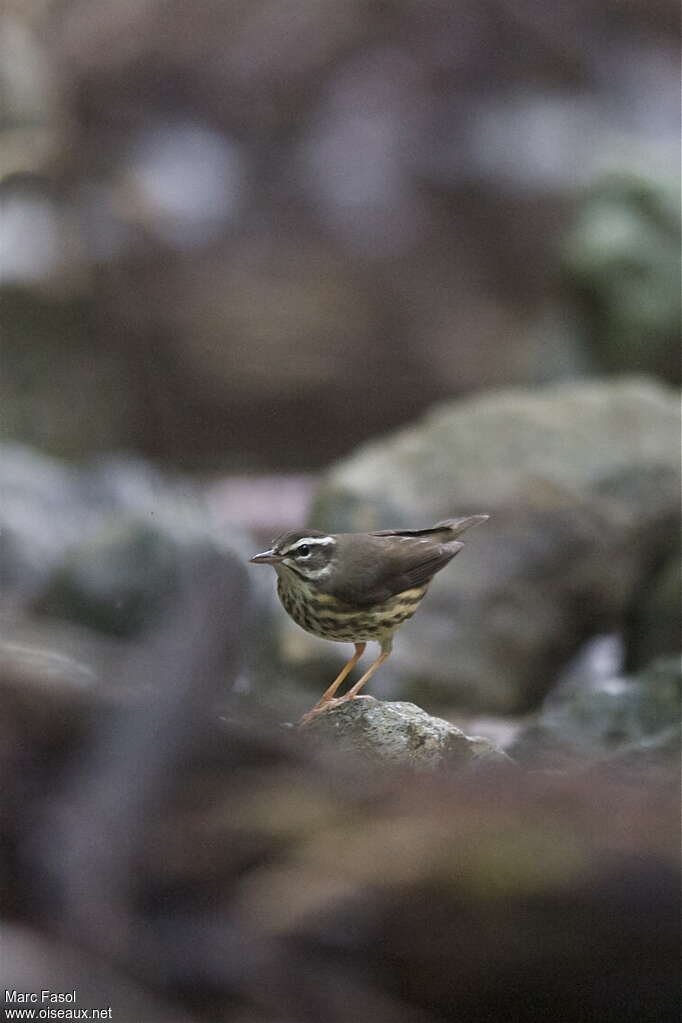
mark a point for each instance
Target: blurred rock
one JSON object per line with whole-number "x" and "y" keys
{"x": 401, "y": 734}
{"x": 655, "y": 628}
{"x": 116, "y": 581}
{"x": 582, "y": 485}
{"x": 41, "y": 514}
{"x": 44, "y": 691}
{"x": 49, "y": 506}
{"x": 621, "y": 260}
{"x": 623, "y": 717}
{"x": 103, "y": 546}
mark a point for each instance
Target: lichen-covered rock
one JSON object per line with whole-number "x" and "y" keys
{"x": 401, "y": 734}
{"x": 582, "y": 485}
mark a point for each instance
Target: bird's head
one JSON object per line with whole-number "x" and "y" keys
{"x": 309, "y": 555}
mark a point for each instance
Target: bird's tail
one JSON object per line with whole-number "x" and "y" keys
{"x": 451, "y": 527}
{"x": 457, "y": 526}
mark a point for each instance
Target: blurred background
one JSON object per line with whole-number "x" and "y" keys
{"x": 352, "y": 265}
{"x": 241, "y": 237}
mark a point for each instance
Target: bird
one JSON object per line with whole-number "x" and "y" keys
{"x": 359, "y": 587}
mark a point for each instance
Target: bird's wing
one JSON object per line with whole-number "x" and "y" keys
{"x": 389, "y": 562}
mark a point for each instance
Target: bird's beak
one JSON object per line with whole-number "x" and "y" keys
{"x": 266, "y": 558}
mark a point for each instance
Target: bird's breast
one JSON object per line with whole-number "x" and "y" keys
{"x": 324, "y": 615}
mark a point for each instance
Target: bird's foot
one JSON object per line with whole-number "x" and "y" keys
{"x": 319, "y": 708}
{"x": 335, "y": 702}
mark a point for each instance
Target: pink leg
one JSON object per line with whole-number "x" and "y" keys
{"x": 327, "y": 700}
{"x": 352, "y": 693}
{"x": 328, "y": 695}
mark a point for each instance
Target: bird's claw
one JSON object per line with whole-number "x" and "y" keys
{"x": 334, "y": 702}
{"x": 319, "y": 708}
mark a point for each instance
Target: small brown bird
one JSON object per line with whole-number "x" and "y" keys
{"x": 357, "y": 587}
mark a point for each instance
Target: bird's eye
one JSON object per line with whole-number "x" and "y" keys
{"x": 304, "y": 551}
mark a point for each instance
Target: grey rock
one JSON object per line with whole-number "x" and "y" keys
{"x": 401, "y": 734}
{"x": 630, "y": 716}
{"x": 655, "y": 626}
{"x": 42, "y": 513}
{"x": 116, "y": 581}
{"x": 103, "y": 546}
{"x": 582, "y": 485}
{"x": 50, "y": 507}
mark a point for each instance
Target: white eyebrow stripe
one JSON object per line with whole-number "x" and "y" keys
{"x": 313, "y": 541}
{"x": 310, "y": 541}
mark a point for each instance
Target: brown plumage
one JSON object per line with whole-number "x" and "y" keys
{"x": 356, "y": 587}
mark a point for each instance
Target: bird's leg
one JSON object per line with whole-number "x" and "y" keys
{"x": 343, "y": 674}
{"x": 385, "y": 653}
{"x": 352, "y": 693}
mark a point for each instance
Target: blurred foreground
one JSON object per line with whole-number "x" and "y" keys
{"x": 179, "y": 865}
